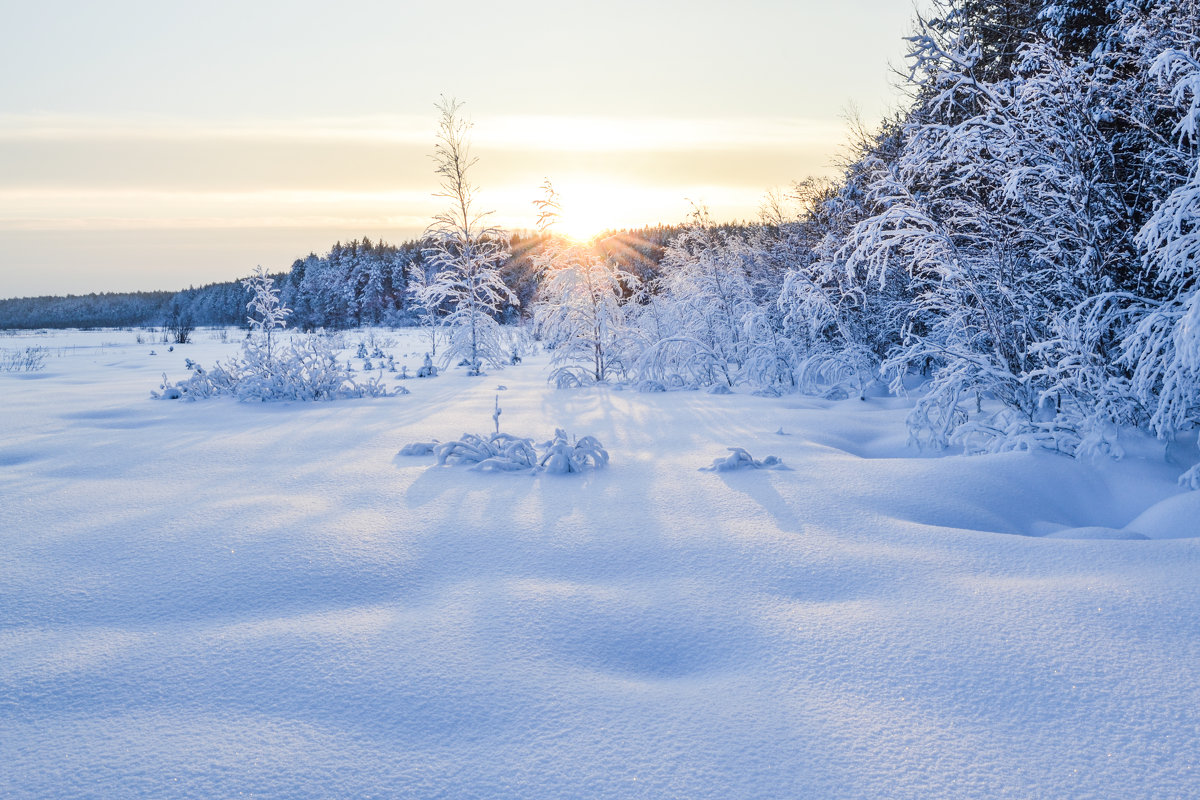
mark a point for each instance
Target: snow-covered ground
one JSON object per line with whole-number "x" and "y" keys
{"x": 217, "y": 599}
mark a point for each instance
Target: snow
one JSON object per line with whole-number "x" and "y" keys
{"x": 215, "y": 599}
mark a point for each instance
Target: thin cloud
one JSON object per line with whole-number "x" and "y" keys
{"x": 505, "y": 132}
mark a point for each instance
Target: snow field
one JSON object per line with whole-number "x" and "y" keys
{"x": 213, "y": 598}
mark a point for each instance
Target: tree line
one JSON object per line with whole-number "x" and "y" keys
{"x": 360, "y": 282}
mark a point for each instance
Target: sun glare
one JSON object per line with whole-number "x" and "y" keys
{"x": 588, "y": 209}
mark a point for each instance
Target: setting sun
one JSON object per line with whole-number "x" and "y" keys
{"x": 584, "y": 216}
{"x": 588, "y": 207}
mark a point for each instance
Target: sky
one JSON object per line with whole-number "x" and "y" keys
{"x": 151, "y": 145}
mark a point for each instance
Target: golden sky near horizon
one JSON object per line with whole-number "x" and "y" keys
{"x": 144, "y": 148}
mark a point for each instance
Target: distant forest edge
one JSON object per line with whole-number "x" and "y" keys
{"x": 359, "y": 282}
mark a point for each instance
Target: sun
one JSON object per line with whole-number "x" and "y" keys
{"x": 581, "y": 228}
{"x": 588, "y": 209}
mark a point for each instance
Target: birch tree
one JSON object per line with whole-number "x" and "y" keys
{"x": 465, "y": 250}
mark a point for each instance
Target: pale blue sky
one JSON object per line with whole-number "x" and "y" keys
{"x": 156, "y": 145}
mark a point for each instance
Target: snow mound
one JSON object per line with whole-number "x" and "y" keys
{"x": 738, "y": 458}
{"x": 1094, "y": 532}
{"x": 418, "y": 448}
{"x": 1176, "y": 517}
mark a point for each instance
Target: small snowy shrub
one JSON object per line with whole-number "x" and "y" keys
{"x": 852, "y": 367}
{"x": 502, "y": 452}
{"x": 680, "y": 361}
{"x": 169, "y": 392}
{"x": 570, "y": 378}
{"x": 738, "y": 458}
{"x": 563, "y": 457}
{"x": 427, "y": 370}
{"x": 499, "y": 452}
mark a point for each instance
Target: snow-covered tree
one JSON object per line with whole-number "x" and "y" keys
{"x": 1163, "y": 346}
{"x": 580, "y": 312}
{"x": 268, "y": 315}
{"x": 466, "y": 251}
{"x": 702, "y": 298}
{"x": 422, "y": 299}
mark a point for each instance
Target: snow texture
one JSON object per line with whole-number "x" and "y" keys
{"x": 225, "y": 599}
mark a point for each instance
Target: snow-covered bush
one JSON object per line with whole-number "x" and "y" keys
{"x": 503, "y": 452}
{"x": 680, "y": 362}
{"x": 306, "y": 368}
{"x": 694, "y": 325}
{"x": 1163, "y": 346}
{"x": 427, "y": 369}
{"x": 739, "y": 458}
{"x": 425, "y": 300}
{"x": 497, "y": 452}
{"x": 268, "y": 313}
{"x": 849, "y": 367}
{"x": 563, "y": 456}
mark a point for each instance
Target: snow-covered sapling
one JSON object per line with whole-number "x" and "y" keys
{"x": 427, "y": 370}
{"x": 269, "y": 312}
{"x": 465, "y": 252}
